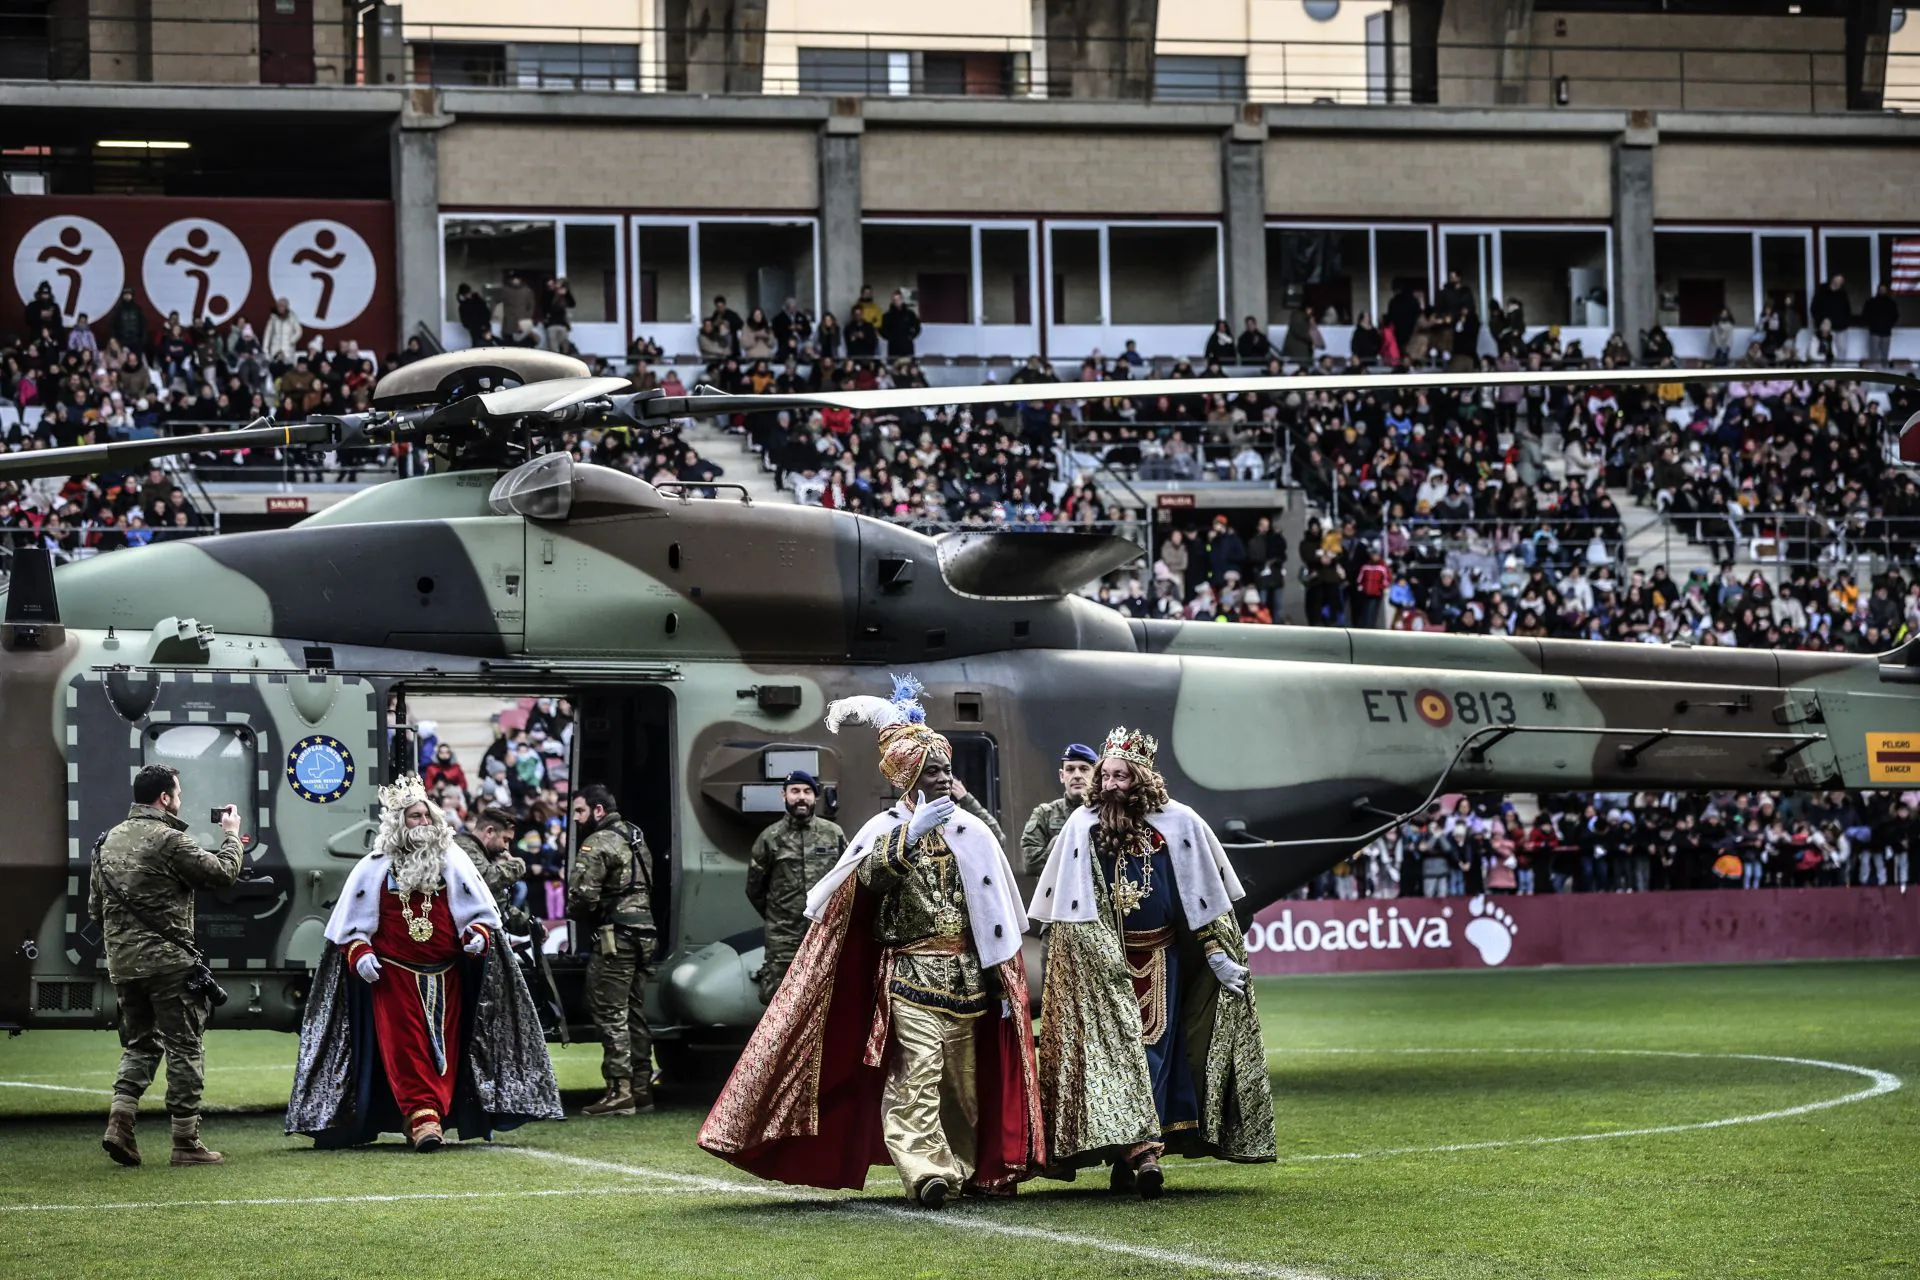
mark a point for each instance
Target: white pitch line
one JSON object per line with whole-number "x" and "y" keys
{"x": 1883, "y": 1082}
{"x": 550, "y": 1193}
{"x": 114, "y": 1071}
{"x": 962, "y": 1221}
{"x": 53, "y": 1088}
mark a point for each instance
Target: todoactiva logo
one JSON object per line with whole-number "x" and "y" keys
{"x": 1490, "y": 932}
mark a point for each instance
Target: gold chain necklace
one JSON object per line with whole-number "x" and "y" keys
{"x": 948, "y": 918}
{"x": 420, "y": 927}
{"x": 1127, "y": 896}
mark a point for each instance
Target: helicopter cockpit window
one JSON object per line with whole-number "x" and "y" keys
{"x": 976, "y": 762}
{"x": 540, "y": 490}
{"x": 216, "y": 764}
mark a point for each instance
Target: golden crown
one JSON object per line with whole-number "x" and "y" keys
{"x": 406, "y": 790}
{"x": 1131, "y": 745}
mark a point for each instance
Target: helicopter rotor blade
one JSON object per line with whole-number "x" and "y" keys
{"x": 546, "y": 397}
{"x": 85, "y": 459}
{"x": 706, "y": 401}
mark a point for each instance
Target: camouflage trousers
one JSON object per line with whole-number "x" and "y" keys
{"x": 616, "y": 993}
{"x": 772, "y": 974}
{"x": 159, "y": 1016}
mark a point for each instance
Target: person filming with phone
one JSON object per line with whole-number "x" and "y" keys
{"x": 140, "y": 896}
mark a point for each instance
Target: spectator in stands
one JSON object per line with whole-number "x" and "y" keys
{"x": 1880, "y": 316}
{"x": 828, "y": 338}
{"x": 865, "y": 308}
{"x": 556, "y": 314}
{"x": 1220, "y": 346}
{"x": 476, "y": 317}
{"x": 863, "y": 335}
{"x": 757, "y": 340}
{"x": 714, "y": 342}
{"x": 792, "y": 331}
{"x": 81, "y": 341}
{"x": 1365, "y": 345}
{"x": 1720, "y": 339}
{"x": 127, "y": 323}
{"x": 444, "y": 769}
{"x": 1252, "y": 346}
{"x": 281, "y": 341}
{"x": 1302, "y": 338}
{"x": 1831, "y": 306}
{"x": 900, "y": 326}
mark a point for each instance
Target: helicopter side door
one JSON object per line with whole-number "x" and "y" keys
{"x": 297, "y": 752}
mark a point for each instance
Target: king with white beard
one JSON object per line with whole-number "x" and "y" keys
{"x": 416, "y": 925}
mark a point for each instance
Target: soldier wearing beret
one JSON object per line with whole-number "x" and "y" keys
{"x": 1077, "y": 764}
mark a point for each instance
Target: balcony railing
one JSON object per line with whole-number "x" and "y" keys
{"x": 644, "y": 59}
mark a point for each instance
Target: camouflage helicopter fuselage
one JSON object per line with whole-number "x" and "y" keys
{"x": 730, "y": 626}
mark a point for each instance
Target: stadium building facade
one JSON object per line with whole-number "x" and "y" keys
{"x": 1065, "y": 179}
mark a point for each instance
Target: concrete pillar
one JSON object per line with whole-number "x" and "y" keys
{"x": 1869, "y": 23}
{"x": 723, "y": 44}
{"x": 842, "y": 257}
{"x": 1635, "y": 301}
{"x": 416, "y": 213}
{"x": 1101, "y": 49}
{"x": 1243, "y": 174}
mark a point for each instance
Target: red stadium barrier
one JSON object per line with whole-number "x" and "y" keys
{"x": 1576, "y": 929}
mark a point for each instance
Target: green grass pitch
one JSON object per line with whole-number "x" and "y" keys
{"x": 1436, "y": 1125}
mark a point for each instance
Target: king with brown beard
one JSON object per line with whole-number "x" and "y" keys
{"x": 1150, "y": 1038}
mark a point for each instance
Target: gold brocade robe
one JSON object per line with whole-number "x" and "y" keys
{"x": 1095, "y": 1089}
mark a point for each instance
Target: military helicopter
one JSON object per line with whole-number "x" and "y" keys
{"x": 700, "y": 640}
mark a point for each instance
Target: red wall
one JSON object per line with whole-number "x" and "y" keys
{"x": 1592, "y": 928}
{"x": 332, "y": 260}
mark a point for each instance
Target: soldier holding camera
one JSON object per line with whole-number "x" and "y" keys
{"x": 145, "y": 872}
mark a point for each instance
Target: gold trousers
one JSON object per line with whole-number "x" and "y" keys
{"x": 931, "y": 1104}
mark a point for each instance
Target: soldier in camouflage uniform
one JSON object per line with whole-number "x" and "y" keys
{"x": 141, "y": 895}
{"x": 489, "y": 844}
{"x": 1077, "y": 764}
{"x": 788, "y": 859}
{"x": 967, "y": 802}
{"x": 609, "y": 900}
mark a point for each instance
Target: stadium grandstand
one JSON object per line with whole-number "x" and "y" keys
{"x": 780, "y": 199}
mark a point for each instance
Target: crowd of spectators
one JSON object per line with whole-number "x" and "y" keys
{"x": 524, "y": 771}
{"x": 1619, "y": 842}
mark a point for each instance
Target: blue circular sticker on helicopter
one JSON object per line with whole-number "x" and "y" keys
{"x": 320, "y": 769}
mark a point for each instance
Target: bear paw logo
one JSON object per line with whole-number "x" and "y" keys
{"x": 1491, "y": 930}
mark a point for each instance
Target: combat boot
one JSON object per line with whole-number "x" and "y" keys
{"x": 187, "y": 1147}
{"x": 118, "y": 1139}
{"x": 619, "y": 1100}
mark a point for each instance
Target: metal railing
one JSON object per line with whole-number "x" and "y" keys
{"x": 1811, "y": 76}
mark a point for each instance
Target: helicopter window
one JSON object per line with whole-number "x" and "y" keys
{"x": 976, "y": 762}
{"x": 216, "y": 764}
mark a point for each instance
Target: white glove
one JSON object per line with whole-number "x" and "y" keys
{"x": 368, "y": 967}
{"x": 1232, "y": 976}
{"x": 926, "y": 817}
{"x": 476, "y": 943}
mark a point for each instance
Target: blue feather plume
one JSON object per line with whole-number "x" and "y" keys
{"x": 906, "y": 696}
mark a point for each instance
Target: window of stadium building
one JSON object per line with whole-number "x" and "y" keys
{"x": 1160, "y": 285}
{"x": 1868, "y": 260}
{"x": 973, "y": 284}
{"x": 1336, "y": 273}
{"x": 542, "y": 280}
{"x": 1551, "y": 275}
{"x": 682, "y": 265}
{"x": 1722, "y": 289}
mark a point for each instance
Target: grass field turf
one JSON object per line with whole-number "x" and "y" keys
{"x": 1364, "y": 1067}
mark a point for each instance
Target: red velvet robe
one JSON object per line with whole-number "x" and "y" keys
{"x": 416, "y": 1005}
{"x": 803, "y": 1104}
